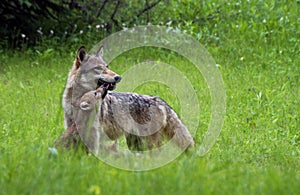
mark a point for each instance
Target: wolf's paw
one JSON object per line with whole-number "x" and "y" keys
{"x": 52, "y": 151}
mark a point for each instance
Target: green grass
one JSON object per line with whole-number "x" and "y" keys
{"x": 257, "y": 152}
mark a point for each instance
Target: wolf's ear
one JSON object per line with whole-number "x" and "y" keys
{"x": 81, "y": 53}
{"x": 100, "y": 51}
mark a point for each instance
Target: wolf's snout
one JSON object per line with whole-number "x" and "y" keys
{"x": 117, "y": 78}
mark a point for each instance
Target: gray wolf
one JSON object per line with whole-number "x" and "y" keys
{"x": 145, "y": 121}
{"x": 87, "y": 73}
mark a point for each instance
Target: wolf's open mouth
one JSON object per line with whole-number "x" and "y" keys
{"x": 108, "y": 86}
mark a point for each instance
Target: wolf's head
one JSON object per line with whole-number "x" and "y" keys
{"x": 92, "y": 71}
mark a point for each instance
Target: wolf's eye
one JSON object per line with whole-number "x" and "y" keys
{"x": 95, "y": 93}
{"x": 98, "y": 68}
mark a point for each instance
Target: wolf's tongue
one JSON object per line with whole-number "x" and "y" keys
{"x": 106, "y": 85}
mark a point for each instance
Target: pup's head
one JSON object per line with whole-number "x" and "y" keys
{"x": 88, "y": 100}
{"x": 93, "y": 72}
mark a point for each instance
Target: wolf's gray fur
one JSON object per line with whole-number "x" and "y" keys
{"x": 145, "y": 121}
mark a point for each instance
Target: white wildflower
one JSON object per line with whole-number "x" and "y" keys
{"x": 169, "y": 23}
{"x": 281, "y": 19}
{"x": 40, "y": 32}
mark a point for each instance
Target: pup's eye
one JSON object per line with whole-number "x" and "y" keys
{"x": 95, "y": 94}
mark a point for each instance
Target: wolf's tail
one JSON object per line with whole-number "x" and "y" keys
{"x": 177, "y": 131}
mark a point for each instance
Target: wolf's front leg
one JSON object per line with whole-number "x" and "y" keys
{"x": 70, "y": 138}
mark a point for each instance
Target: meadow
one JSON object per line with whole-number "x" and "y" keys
{"x": 258, "y": 151}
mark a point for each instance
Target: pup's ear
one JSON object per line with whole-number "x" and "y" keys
{"x": 85, "y": 106}
{"x": 81, "y": 53}
{"x": 100, "y": 51}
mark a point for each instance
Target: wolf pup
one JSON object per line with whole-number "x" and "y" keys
{"x": 86, "y": 119}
